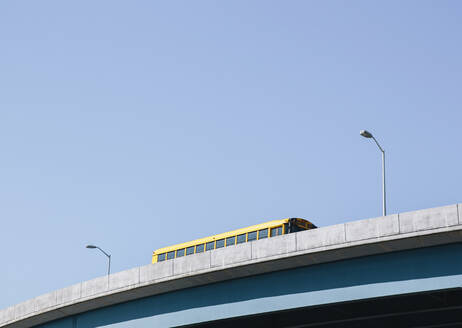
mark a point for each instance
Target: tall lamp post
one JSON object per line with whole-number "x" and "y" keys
{"x": 367, "y": 134}
{"x": 108, "y": 256}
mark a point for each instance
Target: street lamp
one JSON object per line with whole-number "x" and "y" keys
{"x": 367, "y": 134}
{"x": 108, "y": 256}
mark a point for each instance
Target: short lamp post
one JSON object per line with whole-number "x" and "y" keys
{"x": 367, "y": 134}
{"x": 108, "y": 256}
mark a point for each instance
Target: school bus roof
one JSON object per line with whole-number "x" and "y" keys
{"x": 222, "y": 235}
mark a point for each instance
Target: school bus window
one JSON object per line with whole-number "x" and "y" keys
{"x": 276, "y": 231}
{"x": 302, "y": 224}
{"x": 210, "y": 246}
{"x": 241, "y": 238}
{"x": 220, "y": 243}
{"x": 180, "y": 253}
{"x": 190, "y": 250}
{"x": 252, "y": 236}
{"x": 200, "y": 248}
{"x": 170, "y": 255}
{"x": 161, "y": 257}
{"x": 230, "y": 241}
{"x": 279, "y": 231}
{"x": 263, "y": 233}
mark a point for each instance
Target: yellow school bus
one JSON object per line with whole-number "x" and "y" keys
{"x": 239, "y": 236}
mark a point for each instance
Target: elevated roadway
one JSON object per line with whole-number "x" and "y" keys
{"x": 403, "y": 270}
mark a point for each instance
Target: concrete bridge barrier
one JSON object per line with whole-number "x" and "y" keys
{"x": 332, "y": 256}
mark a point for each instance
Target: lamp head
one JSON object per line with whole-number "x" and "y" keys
{"x": 365, "y": 134}
{"x": 91, "y": 246}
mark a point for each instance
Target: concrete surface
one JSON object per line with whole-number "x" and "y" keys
{"x": 423, "y": 228}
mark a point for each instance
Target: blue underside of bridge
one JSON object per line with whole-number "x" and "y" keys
{"x": 414, "y": 271}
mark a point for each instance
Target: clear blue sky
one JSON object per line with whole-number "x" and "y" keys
{"x": 139, "y": 124}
